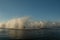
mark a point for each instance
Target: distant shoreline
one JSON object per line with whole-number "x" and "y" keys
{"x": 28, "y": 28}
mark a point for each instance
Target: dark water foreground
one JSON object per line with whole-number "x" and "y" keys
{"x": 37, "y": 34}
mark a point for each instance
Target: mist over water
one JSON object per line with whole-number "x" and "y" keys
{"x": 26, "y": 22}
{"x": 26, "y": 28}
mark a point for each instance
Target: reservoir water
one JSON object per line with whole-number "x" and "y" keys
{"x": 38, "y": 34}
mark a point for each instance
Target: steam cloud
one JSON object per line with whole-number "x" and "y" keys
{"x": 25, "y": 22}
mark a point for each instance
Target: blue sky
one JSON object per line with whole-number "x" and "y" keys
{"x": 38, "y": 9}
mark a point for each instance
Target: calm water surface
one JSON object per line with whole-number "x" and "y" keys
{"x": 38, "y": 34}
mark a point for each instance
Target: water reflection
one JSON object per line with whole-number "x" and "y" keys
{"x": 31, "y": 33}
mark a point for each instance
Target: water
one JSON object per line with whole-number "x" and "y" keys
{"x": 38, "y": 34}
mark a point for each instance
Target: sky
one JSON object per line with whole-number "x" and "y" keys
{"x": 48, "y": 10}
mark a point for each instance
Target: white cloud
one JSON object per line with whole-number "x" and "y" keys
{"x": 26, "y": 22}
